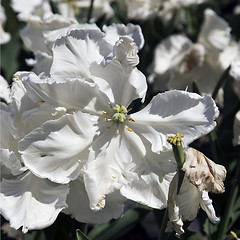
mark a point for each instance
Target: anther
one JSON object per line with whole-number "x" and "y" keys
{"x": 129, "y": 129}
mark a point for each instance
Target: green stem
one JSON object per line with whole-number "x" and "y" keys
{"x": 196, "y": 88}
{"x": 213, "y": 140}
{"x": 179, "y": 156}
{"x": 120, "y": 226}
{"x": 90, "y": 11}
{"x": 224, "y": 224}
{"x": 221, "y": 82}
{"x": 162, "y": 234}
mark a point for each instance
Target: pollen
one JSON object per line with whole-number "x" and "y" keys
{"x": 129, "y": 129}
{"x": 120, "y": 113}
{"x": 105, "y": 112}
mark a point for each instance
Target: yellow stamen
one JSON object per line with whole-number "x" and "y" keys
{"x": 234, "y": 234}
{"x": 129, "y": 109}
{"x": 129, "y": 129}
{"x": 110, "y": 105}
{"x": 105, "y": 112}
{"x": 131, "y": 120}
{"x": 105, "y": 119}
{"x": 117, "y": 131}
{"x": 108, "y": 127}
{"x": 176, "y": 140}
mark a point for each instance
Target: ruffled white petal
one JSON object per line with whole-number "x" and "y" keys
{"x": 10, "y": 164}
{"x": 172, "y": 112}
{"x": 30, "y": 202}
{"x": 107, "y": 170}
{"x": 182, "y": 206}
{"x": 206, "y": 205}
{"x": 76, "y": 52}
{"x": 58, "y": 149}
{"x": 122, "y": 88}
{"x": 155, "y": 172}
{"x": 73, "y": 94}
{"x": 78, "y": 205}
{"x": 125, "y": 51}
{"x": 114, "y": 31}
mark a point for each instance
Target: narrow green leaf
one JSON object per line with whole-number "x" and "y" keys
{"x": 221, "y": 82}
{"x": 191, "y": 235}
{"x": 116, "y": 228}
{"x": 80, "y": 235}
{"x": 34, "y": 235}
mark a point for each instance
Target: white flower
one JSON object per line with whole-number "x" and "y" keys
{"x": 98, "y": 139}
{"x": 231, "y": 56}
{"x": 170, "y": 9}
{"x": 178, "y": 62}
{"x": 4, "y": 36}
{"x": 141, "y": 10}
{"x": 80, "y": 7}
{"x": 32, "y": 10}
{"x": 215, "y": 31}
{"x": 201, "y": 176}
{"x": 236, "y": 129}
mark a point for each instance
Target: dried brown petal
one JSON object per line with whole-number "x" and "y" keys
{"x": 203, "y": 172}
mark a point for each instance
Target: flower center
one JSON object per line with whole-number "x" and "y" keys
{"x": 120, "y": 113}
{"x": 118, "y": 116}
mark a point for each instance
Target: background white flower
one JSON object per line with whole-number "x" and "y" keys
{"x": 178, "y": 62}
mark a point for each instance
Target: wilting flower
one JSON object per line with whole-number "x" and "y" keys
{"x": 179, "y": 62}
{"x": 98, "y": 139}
{"x": 201, "y": 176}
